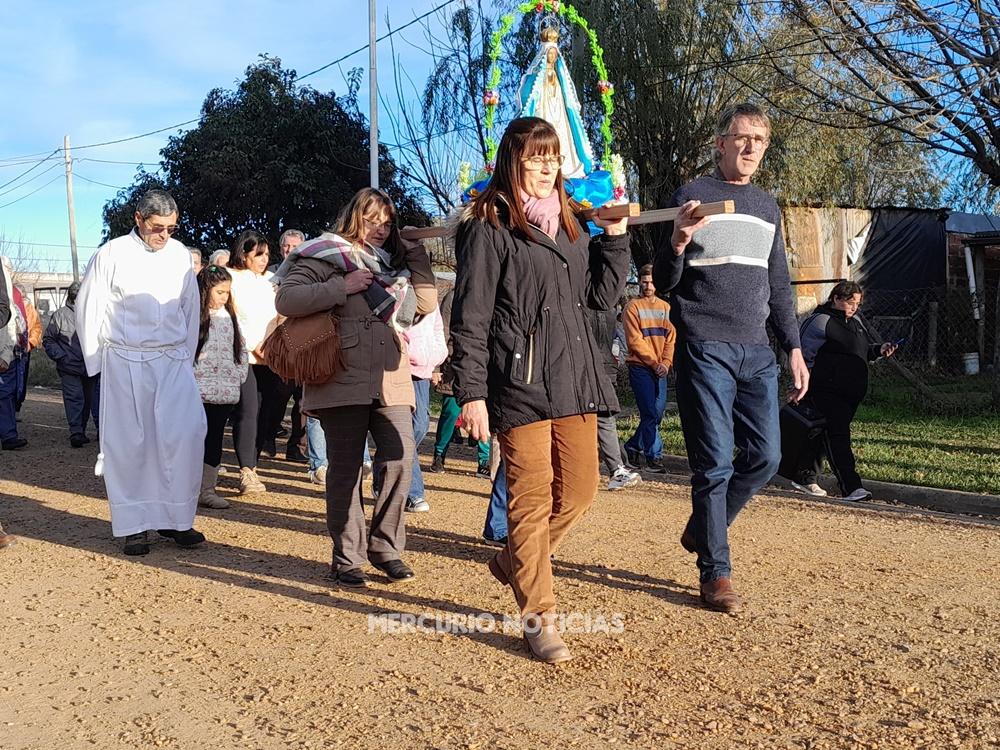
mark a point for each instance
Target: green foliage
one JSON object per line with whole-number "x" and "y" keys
{"x": 269, "y": 156}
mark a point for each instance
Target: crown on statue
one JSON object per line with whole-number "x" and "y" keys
{"x": 549, "y": 34}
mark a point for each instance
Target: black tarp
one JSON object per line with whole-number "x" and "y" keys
{"x": 906, "y": 249}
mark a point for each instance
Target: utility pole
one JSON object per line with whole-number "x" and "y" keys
{"x": 373, "y": 96}
{"x": 69, "y": 204}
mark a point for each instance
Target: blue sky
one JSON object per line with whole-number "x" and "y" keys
{"x": 103, "y": 70}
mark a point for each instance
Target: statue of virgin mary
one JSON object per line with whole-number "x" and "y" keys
{"x": 547, "y": 91}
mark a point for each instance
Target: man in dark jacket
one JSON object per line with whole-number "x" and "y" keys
{"x": 80, "y": 391}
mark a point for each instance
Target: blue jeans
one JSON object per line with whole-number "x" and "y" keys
{"x": 650, "y": 392}
{"x": 727, "y": 395}
{"x": 496, "y": 514}
{"x": 315, "y": 443}
{"x": 421, "y": 425}
{"x": 8, "y": 396}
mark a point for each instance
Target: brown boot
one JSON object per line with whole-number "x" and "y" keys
{"x": 719, "y": 595}
{"x": 6, "y": 539}
{"x": 542, "y": 637}
{"x": 207, "y": 497}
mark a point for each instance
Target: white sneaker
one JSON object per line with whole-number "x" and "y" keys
{"x": 810, "y": 489}
{"x": 318, "y": 476}
{"x": 859, "y": 495}
{"x": 623, "y": 478}
{"x": 416, "y": 506}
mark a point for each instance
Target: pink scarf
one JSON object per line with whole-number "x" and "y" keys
{"x": 543, "y": 212}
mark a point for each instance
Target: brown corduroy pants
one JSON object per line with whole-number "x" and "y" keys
{"x": 552, "y": 477}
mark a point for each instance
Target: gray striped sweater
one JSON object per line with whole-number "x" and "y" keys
{"x": 731, "y": 281}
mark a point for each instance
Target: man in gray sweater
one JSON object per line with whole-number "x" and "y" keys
{"x": 728, "y": 281}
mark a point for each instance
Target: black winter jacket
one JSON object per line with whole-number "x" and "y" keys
{"x": 62, "y": 344}
{"x": 838, "y": 351}
{"x": 520, "y": 335}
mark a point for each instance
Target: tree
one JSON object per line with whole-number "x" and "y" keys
{"x": 269, "y": 156}
{"x": 928, "y": 72}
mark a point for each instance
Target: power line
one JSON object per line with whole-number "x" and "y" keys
{"x": 28, "y": 195}
{"x": 104, "y": 184}
{"x": 30, "y": 169}
{"x": 136, "y": 137}
{"x": 341, "y": 59}
{"x": 379, "y": 39}
{"x": 25, "y": 183}
{"x": 113, "y": 161}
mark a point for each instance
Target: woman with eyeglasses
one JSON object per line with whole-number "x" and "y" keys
{"x": 378, "y": 286}
{"x": 263, "y": 395}
{"x": 525, "y": 362}
{"x": 837, "y": 350}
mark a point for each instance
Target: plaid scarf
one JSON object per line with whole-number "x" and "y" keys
{"x": 389, "y": 296}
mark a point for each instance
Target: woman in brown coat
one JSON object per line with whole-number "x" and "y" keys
{"x": 377, "y": 285}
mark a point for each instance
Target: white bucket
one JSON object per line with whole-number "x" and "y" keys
{"x": 970, "y": 363}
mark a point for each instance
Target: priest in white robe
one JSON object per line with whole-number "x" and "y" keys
{"x": 137, "y": 316}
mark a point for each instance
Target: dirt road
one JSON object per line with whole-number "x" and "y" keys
{"x": 863, "y": 630}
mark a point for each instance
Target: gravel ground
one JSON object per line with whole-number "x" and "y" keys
{"x": 863, "y": 629}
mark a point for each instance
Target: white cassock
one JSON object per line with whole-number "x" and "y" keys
{"x": 137, "y": 316}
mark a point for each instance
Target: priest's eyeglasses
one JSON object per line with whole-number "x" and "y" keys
{"x": 741, "y": 140}
{"x": 160, "y": 228}
{"x": 537, "y": 163}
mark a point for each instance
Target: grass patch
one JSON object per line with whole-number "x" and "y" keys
{"x": 896, "y": 440}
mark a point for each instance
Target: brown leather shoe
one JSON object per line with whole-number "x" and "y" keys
{"x": 687, "y": 541}
{"x": 719, "y": 595}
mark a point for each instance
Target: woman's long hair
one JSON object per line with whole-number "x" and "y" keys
{"x": 210, "y": 277}
{"x": 370, "y": 203}
{"x": 525, "y": 137}
{"x": 246, "y": 245}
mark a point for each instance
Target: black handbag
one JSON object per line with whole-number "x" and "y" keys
{"x": 806, "y": 416}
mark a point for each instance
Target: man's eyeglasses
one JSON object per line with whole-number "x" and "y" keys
{"x": 742, "y": 139}
{"x": 536, "y": 163}
{"x": 160, "y": 228}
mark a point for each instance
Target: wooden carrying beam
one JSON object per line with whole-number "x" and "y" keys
{"x": 633, "y": 211}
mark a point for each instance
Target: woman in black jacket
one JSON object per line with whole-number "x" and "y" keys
{"x": 524, "y": 359}
{"x": 836, "y": 348}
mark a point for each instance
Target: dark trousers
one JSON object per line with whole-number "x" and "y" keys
{"x": 217, "y": 415}
{"x": 81, "y": 400}
{"x": 244, "y": 418}
{"x": 8, "y": 396}
{"x": 346, "y": 429}
{"x": 727, "y": 395}
{"x": 22, "y": 363}
{"x": 835, "y": 442}
{"x": 650, "y": 392}
{"x": 297, "y": 440}
{"x": 272, "y": 394}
